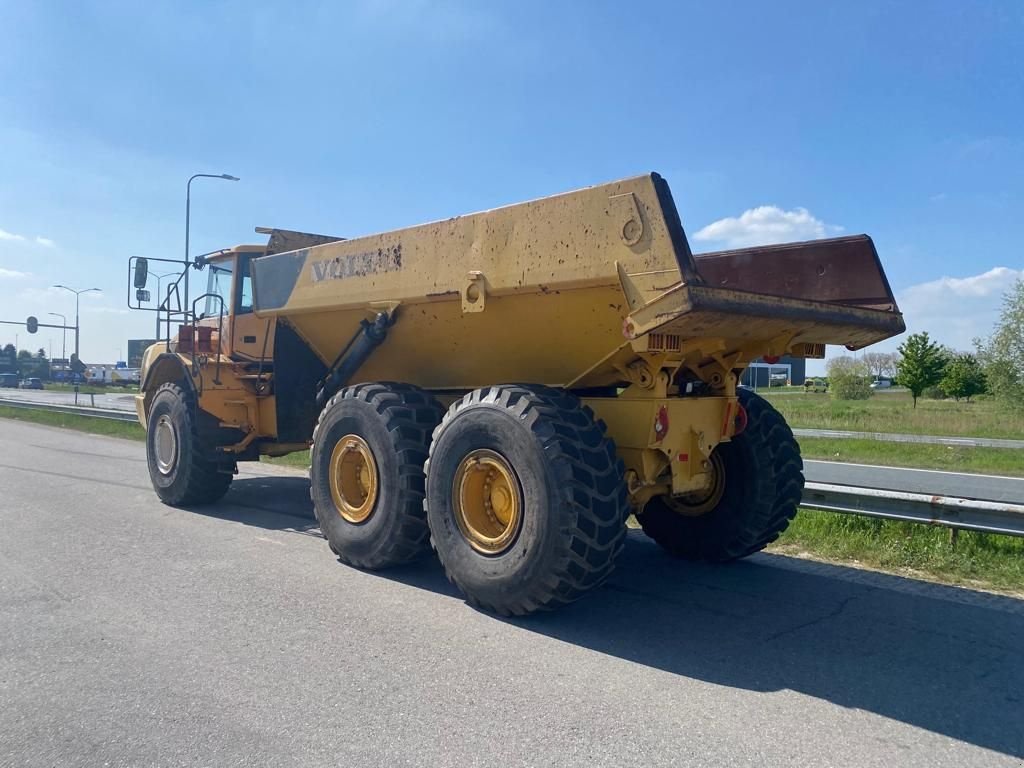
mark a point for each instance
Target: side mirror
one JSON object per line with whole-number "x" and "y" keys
{"x": 141, "y": 272}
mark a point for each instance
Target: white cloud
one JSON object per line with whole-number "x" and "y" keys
{"x": 953, "y": 310}
{"x": 956, "y": 310}
{"x": 38, "y": 239}
{"x": 764, "y": 225}
{"x": 12, "y": 274}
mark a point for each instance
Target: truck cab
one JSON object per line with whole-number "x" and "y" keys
{"x": 228, "y": 306}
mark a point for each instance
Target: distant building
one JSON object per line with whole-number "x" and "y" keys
{"x": 788, "y": 370}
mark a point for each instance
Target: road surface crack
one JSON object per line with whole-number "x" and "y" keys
{"x": 834, "y": 613}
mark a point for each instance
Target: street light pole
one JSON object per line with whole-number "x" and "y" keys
{"x": 77, "y": 294}
{"x": 188, "y": 209}
{"x": 63, "y": 335}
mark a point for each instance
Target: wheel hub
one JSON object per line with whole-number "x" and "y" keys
{"x": 703, "y": 501}
{"x": 353, "y": 478}
{"x": 488, "y": 505}
{"x": 165, "y": 445}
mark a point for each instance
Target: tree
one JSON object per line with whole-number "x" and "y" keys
{"x": 882, "y": 364}
{"x": 24, "y": 354}
{"x": 1002, "y": 355}
{"x": 849, "y": 379}
{"x": 41, "y": 353}
{"x": 963, "y": 377}
{"x": 921, "y": 364}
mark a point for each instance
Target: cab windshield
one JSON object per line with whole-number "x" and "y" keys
{"x": 218, "y": 285}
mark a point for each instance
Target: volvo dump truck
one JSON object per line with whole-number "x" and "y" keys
{"x": 507, "y": 387}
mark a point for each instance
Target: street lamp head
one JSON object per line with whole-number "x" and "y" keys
{"x": 229, "y": 177}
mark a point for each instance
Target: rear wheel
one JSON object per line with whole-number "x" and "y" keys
{"x": 366, "y": 473}
{"x": 525, "y": 498}
{"x": 179, "y": 451}
{"x": 757, "y": 483}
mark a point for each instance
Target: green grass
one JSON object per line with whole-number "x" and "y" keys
{"x": 980, "y": 560}
{"x": 992, "y": 461}
{"x": 894, "y": 412}
{"x": 299, "y": 459}
{"x": 92, "y": 425}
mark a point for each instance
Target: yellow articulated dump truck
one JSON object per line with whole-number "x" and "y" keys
{"x": 506, "y": 387}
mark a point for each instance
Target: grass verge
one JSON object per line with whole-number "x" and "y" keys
{"x": 299, "y": 459}
{"x": 128, "y": 429}
{"x": 992, "y": 461}
{"x": 894, "y": 412}
{"x": 979, "y": 560}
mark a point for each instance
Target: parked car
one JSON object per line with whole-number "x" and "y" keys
{"x": 32, "y": 383}
{"x": 9, "y": 380}
{"x": 881, "y": 384}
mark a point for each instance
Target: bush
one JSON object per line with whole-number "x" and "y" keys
{"x": 963, "y": 377}
{"x": 849, "y": 379}
{"x": 933, "y": 393}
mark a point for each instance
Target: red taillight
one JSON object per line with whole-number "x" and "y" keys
{"x": 661, "y": 424}
{"x": 740, "y": 423}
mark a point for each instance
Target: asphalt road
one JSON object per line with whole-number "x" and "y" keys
{"x": 134, "y": 634}
{"x": 967, "y": 486}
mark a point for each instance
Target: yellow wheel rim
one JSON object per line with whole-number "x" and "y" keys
{"x": 488, "y": 505}
{"x": 701, "y": 502}
{"x": 353, "y": 478}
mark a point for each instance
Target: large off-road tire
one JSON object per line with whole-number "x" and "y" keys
{"x": 366, "y": 473}
{"x": 179, "y": 449}
{"x": 525, "y": 497}
{"x": 761, "y": 484}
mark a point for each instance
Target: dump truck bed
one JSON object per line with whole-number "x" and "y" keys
{"x": 560, "y": 290}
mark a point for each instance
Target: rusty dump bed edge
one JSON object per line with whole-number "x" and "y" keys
{"x": 694, "y": 310}
{"x": 842, "y": 270}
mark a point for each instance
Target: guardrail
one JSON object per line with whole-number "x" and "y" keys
{"x": 77, "y": 410}
{"x": 893, "y": 437}
{"x": 949, "y": 511}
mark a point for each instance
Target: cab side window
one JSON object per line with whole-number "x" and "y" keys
{"x": 244, "y": 286}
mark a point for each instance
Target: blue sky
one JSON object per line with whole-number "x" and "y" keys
{"x": 902, "y": 120}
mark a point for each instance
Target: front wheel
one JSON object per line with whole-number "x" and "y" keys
{"x": 178, "y": 455}
{"x": 757, "y": 483}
